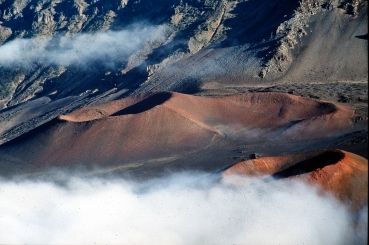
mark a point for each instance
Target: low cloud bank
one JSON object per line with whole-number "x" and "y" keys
{"x": 105, "y": 47}
{"x": 173, "y": 210}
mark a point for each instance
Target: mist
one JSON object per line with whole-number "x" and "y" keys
{"x": 178, "y": 209}
{"x": 107, "y": 48}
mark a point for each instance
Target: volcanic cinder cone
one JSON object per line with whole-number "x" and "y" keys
{"x": 341, "y": 173}
{"x": 159, "y": 125}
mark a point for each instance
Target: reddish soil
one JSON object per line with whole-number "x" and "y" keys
{"x": 165, "y": 125}
{"x": 293, "y": 116}
{"x": 158, "y": 124}
{"x": 343, "y": 174}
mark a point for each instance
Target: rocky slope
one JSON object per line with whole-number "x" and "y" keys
{"x": 199, "y": 45}
{"x": 57, "y": 56}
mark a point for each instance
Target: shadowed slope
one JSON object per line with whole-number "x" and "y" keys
{"x": 341, "y": 173}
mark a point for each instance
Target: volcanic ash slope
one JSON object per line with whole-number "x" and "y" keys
{"x": 159, "y": 125}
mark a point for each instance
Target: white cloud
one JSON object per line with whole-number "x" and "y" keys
{"x": 170, "y": 210}
{"x": 106, "y": 47}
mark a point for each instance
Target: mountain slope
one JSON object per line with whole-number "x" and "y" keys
{"x": 59, "y": 56}
{"x": 186, "y": 46}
